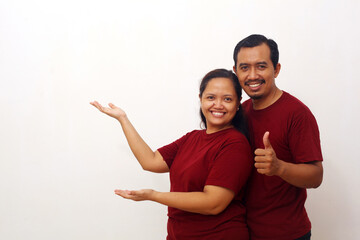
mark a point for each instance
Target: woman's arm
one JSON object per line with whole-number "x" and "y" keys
{"x": 149, "y": 160}
{"x": 212, "y": 201}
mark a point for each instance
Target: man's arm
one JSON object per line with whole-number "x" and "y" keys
{"x": 303, "y": 175}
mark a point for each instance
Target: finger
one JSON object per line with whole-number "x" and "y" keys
{"x": 122, "y": 193}
{"x": 260, "y": 159}
{"x": 94, "y": 103}
{"x": 266, "y": 141}
{"x": 132, "y": 192}
{"x": 118, "y": 191}
{"x": 98, "y": 106}
{"x": 261, "y": 171}
{"x": 112, "y": 105}
{"x": 260, "y": 152}
{"x": 261, "y": 165}
{"x": 101, "y": 108}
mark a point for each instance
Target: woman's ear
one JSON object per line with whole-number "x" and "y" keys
{"x": 239, "y": 104}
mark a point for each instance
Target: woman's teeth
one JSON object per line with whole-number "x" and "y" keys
{"x": 218, "y": 113}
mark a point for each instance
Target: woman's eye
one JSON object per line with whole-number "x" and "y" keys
{"x": 210, "y": 97}
{"x": 228, "y": 99}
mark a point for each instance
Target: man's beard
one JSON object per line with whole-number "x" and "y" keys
{"x": 256, "y": 97}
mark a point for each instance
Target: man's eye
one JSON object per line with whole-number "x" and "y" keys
{"x": 244, "y": 68}
{"x": 261, "y": 66}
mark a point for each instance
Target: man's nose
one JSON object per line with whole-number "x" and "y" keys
{"x": 253, "y": 74}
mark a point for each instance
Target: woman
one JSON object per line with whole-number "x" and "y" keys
{"x": 208, "y": 168}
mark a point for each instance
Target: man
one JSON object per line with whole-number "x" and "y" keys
{"x": 285, "y": 138}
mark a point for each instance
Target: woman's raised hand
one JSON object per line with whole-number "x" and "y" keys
{"x": 148, "y": 159}
{"x": 112, "y": 110}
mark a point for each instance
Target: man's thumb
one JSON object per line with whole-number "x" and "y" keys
{"x": 266, "y": 140}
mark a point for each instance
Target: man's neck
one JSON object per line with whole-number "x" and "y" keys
{"x": 263, "y": 103}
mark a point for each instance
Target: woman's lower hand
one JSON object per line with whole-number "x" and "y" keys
{"x": 136, "y": 195}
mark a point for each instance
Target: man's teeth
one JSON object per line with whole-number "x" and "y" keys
{"x": 254, "y": 85}
{"x": 218, "y": 113}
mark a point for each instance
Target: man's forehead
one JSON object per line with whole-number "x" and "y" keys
{"x": 254, "y": 54}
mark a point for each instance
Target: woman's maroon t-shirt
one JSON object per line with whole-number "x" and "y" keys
{"x": 197, "y": 159}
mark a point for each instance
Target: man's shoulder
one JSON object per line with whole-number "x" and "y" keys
{"x": 292, "y": 103}
{"x": 287, "y": 103}
{"x": 247, "y": 105}
{"x": 247, "y": 102}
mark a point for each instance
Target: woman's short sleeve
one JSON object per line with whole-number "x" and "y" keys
{"x": 168, "y": 152}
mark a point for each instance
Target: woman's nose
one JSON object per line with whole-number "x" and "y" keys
{"x": 218, "y": 103}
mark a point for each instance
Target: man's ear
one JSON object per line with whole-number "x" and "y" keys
{"x": 277, "y": 70}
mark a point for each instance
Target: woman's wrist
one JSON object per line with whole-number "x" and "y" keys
{"x": 153, "y": 195}
{"x": 122, "y": 118}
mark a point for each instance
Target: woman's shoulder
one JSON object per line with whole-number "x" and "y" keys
{"x": 233, "y": 135}
{"x": 234, "y": 139}
{"x": 194, "y": 133}
{"x": 230, "y": 135}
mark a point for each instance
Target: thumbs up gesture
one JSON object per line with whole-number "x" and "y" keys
{"x": 266, "y": 161}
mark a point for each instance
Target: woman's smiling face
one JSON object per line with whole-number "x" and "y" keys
{"x": 219, "y": 104}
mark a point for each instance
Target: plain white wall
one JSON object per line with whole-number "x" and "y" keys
{"x": 60, "y": 159}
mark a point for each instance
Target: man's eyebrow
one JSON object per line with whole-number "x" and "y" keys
{"x": 245, "y": 64}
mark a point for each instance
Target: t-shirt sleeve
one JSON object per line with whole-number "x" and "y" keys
{"x": 168, "y": 152}
{"x": 304, "y": 137}
{"x": 232, "y": 166}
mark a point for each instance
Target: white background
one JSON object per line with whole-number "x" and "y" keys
{"x": 60, "y": 159}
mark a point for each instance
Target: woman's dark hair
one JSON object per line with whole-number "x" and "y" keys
{"x": 238, "y": 121}
{"x": 255, "y": 40}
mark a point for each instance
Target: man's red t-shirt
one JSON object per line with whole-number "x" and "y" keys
{"x": 275, "y": 208}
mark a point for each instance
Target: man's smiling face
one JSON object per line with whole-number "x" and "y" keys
{"x": 256, "y": 72}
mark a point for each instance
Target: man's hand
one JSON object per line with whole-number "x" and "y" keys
{"x": 266, "y": 161}
{"x": 303, "y": 175}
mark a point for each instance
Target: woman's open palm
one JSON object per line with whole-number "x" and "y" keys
{"x": 112, "y": 110}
